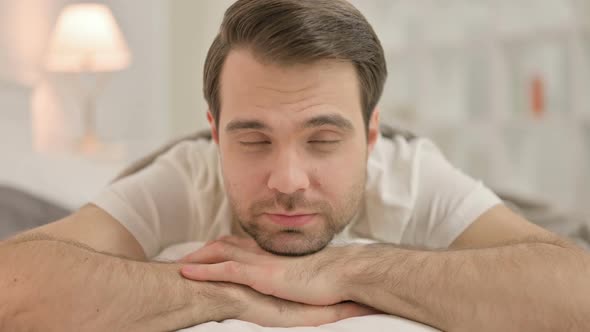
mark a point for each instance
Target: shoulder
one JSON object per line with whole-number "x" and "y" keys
{"x": 400, "y": 147}
{"x": 400, "y": 158}
{"x": 399, "y": 169}
{"x": 392, "y": 186}
{"x": 198, "y": 159}
{"x": 190, "y": 151}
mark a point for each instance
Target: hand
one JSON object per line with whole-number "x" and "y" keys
{"x": 269, "y": 311}
{"x": 316, "y": 279}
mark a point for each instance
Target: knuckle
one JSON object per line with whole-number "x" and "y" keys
{"x": 226, "y": 238}
{"x": 216, "y": 245}
{"x": 233, "y": 267}
{"x": 188, "y": 258}
{"x": 219, "y": 248}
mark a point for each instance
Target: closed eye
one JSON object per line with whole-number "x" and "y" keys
{"x": 324, "y": 142}
{"x": 255, "y": 143}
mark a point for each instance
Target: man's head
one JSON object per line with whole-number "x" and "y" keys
{"x": 292, "y": 86}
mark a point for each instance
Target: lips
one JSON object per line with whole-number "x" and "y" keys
{"x": 296, "y": 220}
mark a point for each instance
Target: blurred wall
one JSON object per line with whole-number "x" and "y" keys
{"x": 193, "y": 25}
{"x": 137, "y": 98}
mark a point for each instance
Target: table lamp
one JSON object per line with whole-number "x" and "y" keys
{"x": 87, "y": 41}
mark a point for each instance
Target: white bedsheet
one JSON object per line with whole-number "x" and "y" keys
{"x": 366, "y": 323}
{"x": 356, "y": 324}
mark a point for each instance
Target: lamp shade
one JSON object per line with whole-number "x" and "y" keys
{"x": 87, "y": 39}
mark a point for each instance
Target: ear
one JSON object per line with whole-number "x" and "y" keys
{"x": 214, "y": 133}
{"x": 373, "y": 133}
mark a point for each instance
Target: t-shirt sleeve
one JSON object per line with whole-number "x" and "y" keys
{"x": 447, "y": 200}
{"x": 154, "y": 204}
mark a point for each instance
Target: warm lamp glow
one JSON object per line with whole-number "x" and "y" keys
{"x": 87, "y": 39}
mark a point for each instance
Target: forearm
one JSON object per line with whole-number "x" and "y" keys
{"x": 54, "y": 285}
{"x": 533, "y": 286}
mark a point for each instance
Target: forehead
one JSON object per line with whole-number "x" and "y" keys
{"x": 251, "y": 88}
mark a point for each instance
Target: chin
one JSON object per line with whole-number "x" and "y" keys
{"x": 292, "y": 243}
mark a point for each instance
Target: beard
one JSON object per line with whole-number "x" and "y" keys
{"x": 298, "y": 241}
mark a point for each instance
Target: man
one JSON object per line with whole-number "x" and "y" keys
{"x": 296, "y": 162}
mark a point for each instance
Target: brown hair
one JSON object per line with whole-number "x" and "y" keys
{"x": 298, "y": 32}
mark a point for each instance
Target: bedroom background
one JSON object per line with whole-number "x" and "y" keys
{"x": 500, "y": 85}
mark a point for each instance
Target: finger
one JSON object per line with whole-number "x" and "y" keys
{"x": 218, "y": 252}
{"x": 352, "y": 309}
{"x": 186, "y": 258}
{"x": 321, "y": 315}
{"x": 231, "y": 271}
{"x": 241, "y": 242}
{"x": 208, "y": 243}
{"x": 337, "y": 312}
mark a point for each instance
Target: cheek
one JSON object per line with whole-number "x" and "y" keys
{"x": 337, "y": 175}
{"x": 243, "y": 178}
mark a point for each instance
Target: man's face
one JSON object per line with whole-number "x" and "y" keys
{"x": 293, "y": 150}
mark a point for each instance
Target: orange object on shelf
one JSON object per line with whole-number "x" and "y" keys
{"x": 537, "y": 97}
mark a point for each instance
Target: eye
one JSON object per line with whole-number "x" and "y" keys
{"x": 324, "y": 142}
{"x": 253, "y": 143}
{"x": 324, "y": 138}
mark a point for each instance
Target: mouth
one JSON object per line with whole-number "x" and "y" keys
{"x": 292, "y": 220}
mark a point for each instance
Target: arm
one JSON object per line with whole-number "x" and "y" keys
{"x": 50, "y": 282}
{"x": 58, "y": 285}
{"x": 93, "y": 227}
{"x": 524, "y": 287}
{"x": 501, "y": 273}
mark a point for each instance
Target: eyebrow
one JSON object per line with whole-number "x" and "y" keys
{"x": 335, "y": 120}
{"x": 237, "y": 125}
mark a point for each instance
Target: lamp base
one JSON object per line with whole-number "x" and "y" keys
{"x": 89, "y": 145}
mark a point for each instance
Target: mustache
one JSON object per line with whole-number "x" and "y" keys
{"x": 289, "y": 203}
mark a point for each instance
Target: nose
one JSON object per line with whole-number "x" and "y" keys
{"x": 288, "y": 174}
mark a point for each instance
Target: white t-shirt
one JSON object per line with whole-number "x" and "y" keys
{"x": 414, "y": 197}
